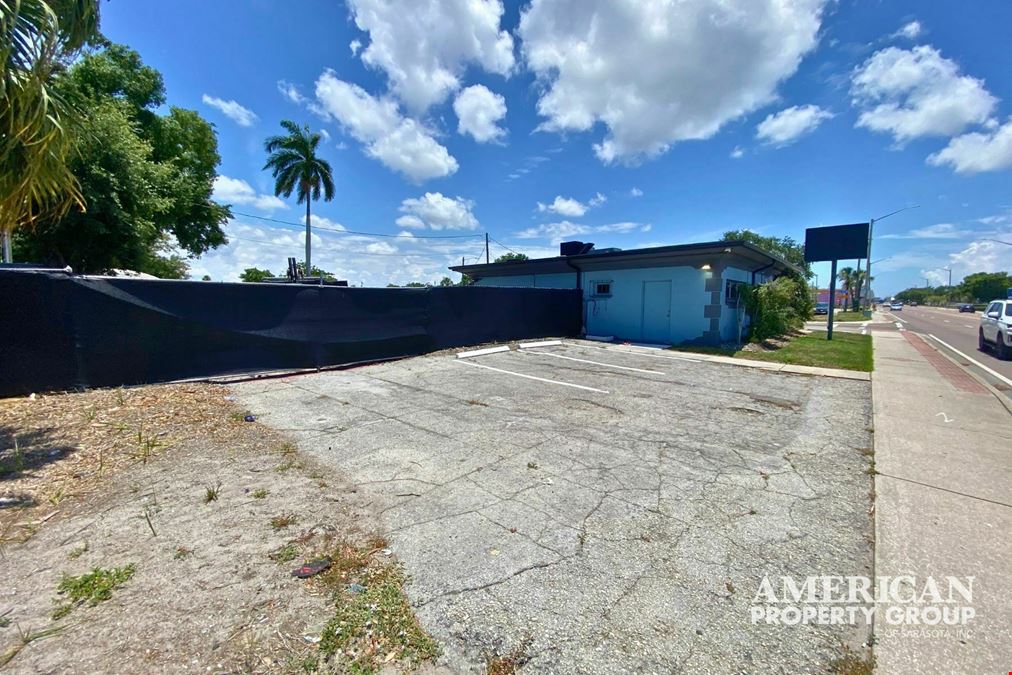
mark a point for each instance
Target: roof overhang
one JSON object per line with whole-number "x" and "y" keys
{"x": 738, "y": 253}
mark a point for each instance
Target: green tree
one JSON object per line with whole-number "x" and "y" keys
{"x": 986, "y": 286}
{"x": 296, "y": 168}
{"x": 146, "y": 178}
{"x": 786, "y": 247}
{"x": 37, "y": 37}
{"x": 847, "y": 277}
{"x": 255, "y": 274}
{"x": 506, "y": 257}
{"x": 446, "y": 281}
{"x": 314, "y": 271}
{"x": 416, "y": 284}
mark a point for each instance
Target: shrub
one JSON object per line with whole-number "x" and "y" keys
{"x": 778, "y": 306}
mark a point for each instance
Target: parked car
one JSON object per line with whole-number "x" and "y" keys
{"x": 896, "y": 306}
{"x": 913, "y": 304}
{"x": 967, "y": 307}
{"x": 822, "y": 308}
{"x": 996, "y": 328}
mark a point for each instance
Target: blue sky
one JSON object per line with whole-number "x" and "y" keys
{"x": 623, "y": 123}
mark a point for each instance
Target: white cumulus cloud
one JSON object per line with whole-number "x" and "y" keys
{"x": 402, "y": 144}
{"x": 290, "y": 92}
{"x": 635, "y": 192}
{"x": 564, "y": 206}
{"x": 938, "y": 231}
{"x": 563, "y": 230}
{"x": 977, "y": 152}
{"x": 237, "y": 191}
{"x": 790, "y": 124}
{"x": 478, "y": 113}
{"x": 917, "y": 92}
{"x": 737, "y": 153}
{"x": 424, "y": 46}
{"x": 656, "y": 72}
{"x": 244, "y": 117}
{"x": 436, "y": 212}
{"x": 910, "y": 31}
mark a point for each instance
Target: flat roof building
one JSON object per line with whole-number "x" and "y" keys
{"x": 665, "y": 294}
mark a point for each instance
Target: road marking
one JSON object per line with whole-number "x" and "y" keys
{"x": 974, "y": 361}
{"x": 946, "y": 321}
{"x": 967, "y": 326}
{"x": 899, "y": 325}
{"x": 899, "y": 319}
{"x": 598, "y": 363}
{"x": 482, "y": 352}
{"x": 531, "y": 377}
{"x": 944, "y": 417}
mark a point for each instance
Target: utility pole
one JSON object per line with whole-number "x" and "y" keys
{"x": 871, "y": 226}
{"x": 486, "y": 248}
{"x": 6, "y": 237}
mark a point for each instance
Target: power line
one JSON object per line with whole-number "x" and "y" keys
{"x": 367, "y": 234}
{"x": 401, "y": 254}
{"x": 504, "y": 246}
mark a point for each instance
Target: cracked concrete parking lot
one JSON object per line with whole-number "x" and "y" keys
{"x": 608, "y": 510}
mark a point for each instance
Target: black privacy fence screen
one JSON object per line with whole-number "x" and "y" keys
{"x": 62, "y": 332}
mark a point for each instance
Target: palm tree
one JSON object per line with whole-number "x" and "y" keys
{"x": 36, "y": 38}
{"x": 296, "y": 168}
{"x": 847, "y": 277}
{"x": 860, "y": 277}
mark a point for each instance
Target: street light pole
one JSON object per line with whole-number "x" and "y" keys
{"x": 871, "y": 226}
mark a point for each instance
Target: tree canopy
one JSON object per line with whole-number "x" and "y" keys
{"x": 506, "y": 257}
{"x": 786, "y": 247}
{"x": 296, "y": 167}
{"x": 255, "y": 274}
{"x": 986, "y": 286}
{"x": 146, "y": 178}
{"x": 37, "y": 37}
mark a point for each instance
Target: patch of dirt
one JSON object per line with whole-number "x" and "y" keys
{"x": 212, "y": 512}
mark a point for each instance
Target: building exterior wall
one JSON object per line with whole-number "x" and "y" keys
{"x": 698, "y": 309}
{"x": 621, "y": 313}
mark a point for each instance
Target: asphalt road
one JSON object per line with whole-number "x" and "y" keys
{"x": 955, "y": 333}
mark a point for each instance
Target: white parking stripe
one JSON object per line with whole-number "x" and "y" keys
{"x": 974, "y": 361}
{"x": 598, "y": 363}
{"x": 530, "y": 377}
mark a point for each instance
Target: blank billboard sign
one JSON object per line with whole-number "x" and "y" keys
{"x": 837, "y": 242}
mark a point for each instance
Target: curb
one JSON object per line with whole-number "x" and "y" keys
{"x": 744, "y": 363}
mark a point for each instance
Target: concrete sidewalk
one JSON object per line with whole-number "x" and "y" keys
{"x": 943, "y": 452}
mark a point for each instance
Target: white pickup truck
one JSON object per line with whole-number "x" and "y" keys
{"x": 996, "y": 328}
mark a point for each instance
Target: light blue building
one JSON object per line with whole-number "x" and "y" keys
{"x": 663, "y": 295}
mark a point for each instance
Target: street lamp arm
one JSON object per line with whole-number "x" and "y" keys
{"x": 905, "y": 208}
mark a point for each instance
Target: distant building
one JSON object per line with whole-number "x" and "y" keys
{"x": 842, "y": 297}
{"x": 665, "y": 295}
